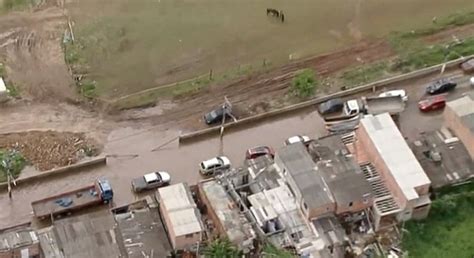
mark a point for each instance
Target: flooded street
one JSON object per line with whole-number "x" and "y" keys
{"x": 131, "y": 156}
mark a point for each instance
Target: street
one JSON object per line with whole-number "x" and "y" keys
{"x": 130, "y": 151}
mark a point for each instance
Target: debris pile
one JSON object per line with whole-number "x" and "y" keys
{"x": 49, "y": 149}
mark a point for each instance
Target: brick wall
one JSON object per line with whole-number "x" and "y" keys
{"x": 453, "y": 122}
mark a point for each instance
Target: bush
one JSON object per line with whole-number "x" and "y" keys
{"x": 304, "y": 84}
{"x": 13, "y": 161}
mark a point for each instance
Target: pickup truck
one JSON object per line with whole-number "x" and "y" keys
{"x": 151, "y": 181}
{"x": 367, "y": 105}
{"x": 98, "y": 193}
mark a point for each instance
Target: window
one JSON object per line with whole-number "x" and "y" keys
{"x": 189, "y": 235}
{"x": 350, "y": 204}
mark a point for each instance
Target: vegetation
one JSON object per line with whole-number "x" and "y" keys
{"x": 11, "y": 161}
{"x": 364, "y": 74}
{"x": 453, "y": 20}
{"x": 221, "y": 248}
{"x": 447, "y": 232}
{"x": 270, "y": 250}
{"x": 9, "y": 5}
{"x": 304, "y": 84}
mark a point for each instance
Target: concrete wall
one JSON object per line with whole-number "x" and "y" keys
{"x": 357, "y": 206}
{"x": 452, "y": 121}
{"x": 211, "y": 213}
{"x": 186, "y": 241}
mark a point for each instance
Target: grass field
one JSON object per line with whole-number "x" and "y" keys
{"x": 128, "y": 46}
{"x": 447, "y": 232}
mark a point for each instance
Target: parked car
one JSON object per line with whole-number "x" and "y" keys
{"x": 298, "y": 138}
{"x": 151, "y": 181}
{"x": 259, "y": 151}
{"x": 331, "y": 106}
{"x": 468, "y": 66}
{"x": 433, "y": 103}
{"x": 401, "y": 93}
{"x": 211, "y": 166}
{"x": 215, "y": 116}
{"x": 440, "y": 86}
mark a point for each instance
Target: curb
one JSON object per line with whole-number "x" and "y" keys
{"x": 57, "y": 171}
{"x": 308, "y": 103}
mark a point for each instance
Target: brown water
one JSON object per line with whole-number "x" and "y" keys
{"x": 151, "y": 42}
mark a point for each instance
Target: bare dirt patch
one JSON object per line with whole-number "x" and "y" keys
{"x": 49, "y": 149}
{"x": 30, "y": 47}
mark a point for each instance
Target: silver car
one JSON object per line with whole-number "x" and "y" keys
{"x": 151, "y": 181}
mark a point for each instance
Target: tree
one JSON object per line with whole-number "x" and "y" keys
{"x": 11, "y": 164}
{"x": 304, "y": 84}
{"x": 221, "y": 248}
{"x": 270, "y": 250}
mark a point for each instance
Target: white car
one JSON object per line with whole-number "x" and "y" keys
{"x": 471, "y": 81}
{"x": 151, "y": 181}
{"x": 211, "y": 166}
{"x": 401, "y": 93}
{"x": 298, "y": 138}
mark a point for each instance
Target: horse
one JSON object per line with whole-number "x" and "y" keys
{"x": 273, "y": 12}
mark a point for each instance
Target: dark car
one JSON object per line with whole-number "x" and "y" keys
{"x": 433, "y": 103}
{"x": 215, "y": 116}
{"x": 259, "y": 151}
{"x": 331, "y": 106}
{"x": 440, "y": 86}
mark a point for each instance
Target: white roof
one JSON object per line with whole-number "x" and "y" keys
{"x": 150, "y": 177}
{"x": 353, "y": 104}
{"x": 210, "y": 162}
{"x": 462, "y": 106}
{"x": 181, "y": 209}
{"x": 400, "y": 160}
{"x": 3, "y": 87}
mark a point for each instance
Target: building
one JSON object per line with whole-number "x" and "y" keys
{"x": 133, "y": 230}
{"x": 339, "y": 169}
{"x": 20, "y": 243}
{"x": 459, "y": 117}
{"x": 380, "y": 143}
{"x": 311, "y": 191}
{"x": 226, "y": 216}
{"x": 181, "y": 216}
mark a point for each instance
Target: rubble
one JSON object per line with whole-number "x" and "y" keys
{"x": 50, "y": 149}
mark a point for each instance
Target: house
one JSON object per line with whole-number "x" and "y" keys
{"x": 226, "y": 216}
{"x": 20, "y": 242}
{"x": 311, "y": 191}
{"x": 181, "y": 216}
{"x": 339, "y": 169}
{"x": 459, "y": 117}
{"x": 380, "y": 143}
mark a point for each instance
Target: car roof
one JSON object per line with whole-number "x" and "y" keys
{"x": 210, "y": 162}
{"x": 258, "y": 149}
{"x": 151, "y": 177}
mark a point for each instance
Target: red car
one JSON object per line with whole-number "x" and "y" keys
{"x": 431, "y": 104}
{"x": 259, "y": 151}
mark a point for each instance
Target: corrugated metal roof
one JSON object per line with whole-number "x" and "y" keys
{"x": 181, "y": 209}
{"x": 396, "y": 154}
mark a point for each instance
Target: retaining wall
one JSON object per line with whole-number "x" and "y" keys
{"x": 57, "y": 171}
{"x": 302, "y": 105}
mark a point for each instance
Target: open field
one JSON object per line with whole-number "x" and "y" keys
{"x": 128, "y": 46}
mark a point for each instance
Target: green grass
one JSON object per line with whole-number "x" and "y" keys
{"x": 364, "y": 74}
{"x": 445, "y": 22}
{"x": 270, "y": 250}
{"x": 16, "y": 5}
{"x": 447, "y": 232}
{"x": 304, "y": 83}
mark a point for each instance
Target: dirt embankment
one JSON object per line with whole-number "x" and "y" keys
{"x": 30, "y": 48}
{"x": 48, "y": 149}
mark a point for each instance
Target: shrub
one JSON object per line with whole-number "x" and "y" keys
{"x": 304, "y": 84}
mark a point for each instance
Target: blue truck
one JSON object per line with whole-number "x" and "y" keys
{"x": 98, "y": 193}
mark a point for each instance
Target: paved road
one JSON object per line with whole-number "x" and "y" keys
{"x": 182, "y": 161}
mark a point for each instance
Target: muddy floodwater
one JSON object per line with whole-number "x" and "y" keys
{"x": 154, "y": 42}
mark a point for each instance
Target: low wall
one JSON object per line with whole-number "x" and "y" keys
{"x": 57, "y": 171}
{"x": 302, "y": 105}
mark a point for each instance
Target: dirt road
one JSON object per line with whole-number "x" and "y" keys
{"x": 30, "y": 48}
